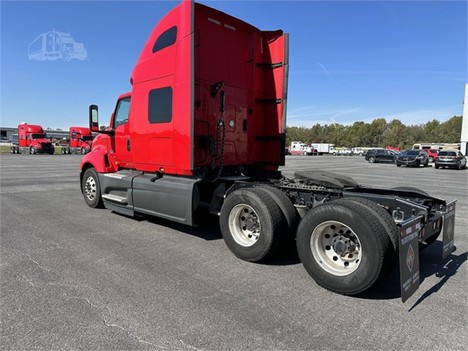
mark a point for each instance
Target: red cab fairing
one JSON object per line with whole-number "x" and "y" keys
{"x": 225, "y": 81}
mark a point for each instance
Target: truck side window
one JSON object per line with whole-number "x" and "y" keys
{"x": 160, "y": 105}
{"x": 121, "y": 113}
{"x": 165, "y": 39}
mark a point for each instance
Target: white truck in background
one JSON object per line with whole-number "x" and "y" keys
{"x": 324, "y": 148}
{"x": 300, "y": 148}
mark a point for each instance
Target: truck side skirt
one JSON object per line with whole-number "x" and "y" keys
{"x": 168, "y": 197}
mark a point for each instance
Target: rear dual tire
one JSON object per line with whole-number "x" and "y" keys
{"x": 347, "y": 245}
{"x": 257, "y": 221}
{"x": 289, "y": 212}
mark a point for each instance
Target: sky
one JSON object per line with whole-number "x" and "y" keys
{"x": 349, "y": 60}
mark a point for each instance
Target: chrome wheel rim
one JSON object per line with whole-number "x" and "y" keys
{"x": 336, "y": 248}
{"x": 90, "y": 188}
{"x": 244, "y": 225}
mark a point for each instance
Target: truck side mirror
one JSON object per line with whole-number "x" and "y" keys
{"x": 93, "y": 118}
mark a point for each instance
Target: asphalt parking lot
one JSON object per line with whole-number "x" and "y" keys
{"x": 76, "y": 278}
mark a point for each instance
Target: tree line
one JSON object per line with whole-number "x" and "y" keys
{"x": 378, "y": 133}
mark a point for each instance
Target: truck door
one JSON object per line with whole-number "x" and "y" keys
{"x": 121, "y": 144}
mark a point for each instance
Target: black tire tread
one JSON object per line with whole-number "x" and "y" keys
{"x": 386, "y": 220}
{"x": 388, "y": 225}
{"x": 367, "y": 217}
{"x": 273, "y": 215}
{"x": 287, "y": 208}
{"x": 96, "y": 204}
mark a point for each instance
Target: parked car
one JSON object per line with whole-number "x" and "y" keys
{"x": 380, "y": 155}
{"x": 450, "y": 159}
{"x": 413, "y": 158}
{"x": 345, "y": 152}
{"x": 432, "y": 153}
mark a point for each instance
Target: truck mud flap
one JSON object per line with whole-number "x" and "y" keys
{"x": 409, "y": 248}
{"x": 409, "y": 256}
{"x": 449, "y": 230}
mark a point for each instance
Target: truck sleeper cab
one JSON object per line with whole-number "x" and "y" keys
{"x": 79, "y": 141}
{"x": 202, "y": 132}
{"x": 32, "y": 140}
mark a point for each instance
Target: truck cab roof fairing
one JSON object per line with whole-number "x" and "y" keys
{"x": 191, "y": 50}
{"x": 164, "y": 65}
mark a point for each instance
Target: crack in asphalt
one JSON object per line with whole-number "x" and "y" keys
{"x": 106, "y": 319}
{"x": 37, "y": 263}
{"x": 190, "y": 346}
{"x": 48, "y": 241}
{"x": 29, "y": 281}
{"x": 107, "y": 323}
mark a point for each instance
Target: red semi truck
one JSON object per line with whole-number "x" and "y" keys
{"x": 203, "y": 132}
{"x": 79, "y": 141}
{"x": 32, "y": 140}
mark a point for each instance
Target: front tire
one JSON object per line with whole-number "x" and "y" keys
{"x": 252, "y": 224}
{"x": 344, "y": 246}
{"x": 371, "y": 159}
{"x": 91, "y": 188}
